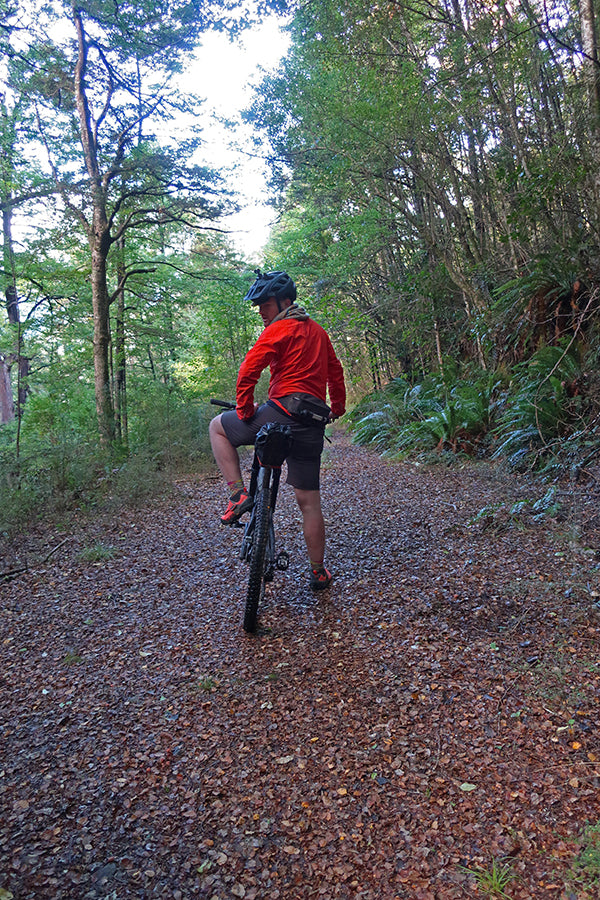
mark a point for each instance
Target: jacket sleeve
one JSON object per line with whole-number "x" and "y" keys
{"x": 257, "y": 358}
{"x": 335, "y": 383}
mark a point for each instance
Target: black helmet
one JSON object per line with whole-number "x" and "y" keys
{"x": 271, "y": 284}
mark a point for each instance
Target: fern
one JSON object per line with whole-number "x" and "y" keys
{"x": 539, "y": 412}
{"x": 433, "y": 413}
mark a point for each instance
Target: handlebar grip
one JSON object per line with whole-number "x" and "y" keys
{"x": 225, "y": 403}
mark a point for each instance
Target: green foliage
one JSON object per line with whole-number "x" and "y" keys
{"x": 44, "y": 478}
{"x": 61, "y": 465}
{"x": 138, "y": 479}
{"x": 58, "y": 459}
{"x": 433, "y": 414}
{"x": 186, "y": 330}
{"x": 501, "y": 516}
{"x": 542, "y": 410}
{"x": 165, "y": 427}
{"x": 98, "y": 552}
{"x": 543, "y": 416}
{"x": 586, "y": 868}
{"x": 216, "y": 327}
{"x": 431, "y": 208}
{"x": 76, "y": 475}
{"x": 435, "y": 172}
{"x": 493, "y": 881}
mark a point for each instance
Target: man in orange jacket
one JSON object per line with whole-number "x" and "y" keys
{"x": 303, "y": 365}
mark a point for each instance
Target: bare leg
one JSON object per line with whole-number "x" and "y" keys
{"x": 313, "y": 524}
{"x": 226, "y": 455}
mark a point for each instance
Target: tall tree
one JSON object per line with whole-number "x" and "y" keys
{"x": 165, "y": 31}
{"x": 591, "y": 68}
{"x": 102, "y": 83}
{"x": 13, "y": 194}
{"x": 455, "y": 130}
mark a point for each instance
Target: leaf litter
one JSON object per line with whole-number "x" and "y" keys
{"x": 434, "y": 713}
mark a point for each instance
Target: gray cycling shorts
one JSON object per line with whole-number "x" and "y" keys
{"x": 303, "y": 463}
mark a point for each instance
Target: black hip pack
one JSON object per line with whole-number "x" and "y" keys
{"x": 307, "y": 410}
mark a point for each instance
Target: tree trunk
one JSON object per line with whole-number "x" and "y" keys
{"x": 438, "y": 346}
{"x": 591, "y": 70}
{"x": 12, "y": 309}
{"x": 100, "y": 306}
{"x": 120, "y": 356}
{"x": 375, "y": 373}
{"x": 591, "y": 66}
{"x": 7, "y": 407}
{"x": 99, "y": 242}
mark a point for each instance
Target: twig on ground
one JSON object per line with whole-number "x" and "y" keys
{"x": 58, "y": 546}
{"x": 12, "y": 573}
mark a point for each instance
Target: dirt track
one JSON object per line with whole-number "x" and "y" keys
{"x": 437, "y": 709}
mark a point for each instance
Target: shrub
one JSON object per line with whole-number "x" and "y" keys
{"x": 543, "y": 408}
{"x": 437, "y": 413}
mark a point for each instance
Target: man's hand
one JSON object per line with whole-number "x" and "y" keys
{"x": 246, "y": 414}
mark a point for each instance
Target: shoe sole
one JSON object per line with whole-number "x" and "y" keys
{"x": 321, "y": 587}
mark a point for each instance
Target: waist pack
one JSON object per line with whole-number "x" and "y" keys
{"x": 308, "y": 410}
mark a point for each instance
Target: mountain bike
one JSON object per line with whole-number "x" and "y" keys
{"x": 271, "y": 447}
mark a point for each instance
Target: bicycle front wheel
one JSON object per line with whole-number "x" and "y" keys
{"x": 258, "y": 559}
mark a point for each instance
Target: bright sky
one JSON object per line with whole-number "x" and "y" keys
{"x": 225, "y": 73}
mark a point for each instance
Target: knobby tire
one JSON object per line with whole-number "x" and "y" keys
{"x": 257, "y": 562}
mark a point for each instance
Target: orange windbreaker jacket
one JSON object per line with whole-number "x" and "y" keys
{"x": 301, "y": 358}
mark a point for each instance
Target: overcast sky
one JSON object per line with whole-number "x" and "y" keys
{"x": 224, "y": 73}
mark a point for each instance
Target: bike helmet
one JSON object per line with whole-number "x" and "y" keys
{"x": 271, "y": 284}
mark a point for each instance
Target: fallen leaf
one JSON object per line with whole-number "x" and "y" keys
{"x": 159, "y": 782}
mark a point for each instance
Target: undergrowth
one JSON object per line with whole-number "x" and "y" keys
{"x": 586, "y": 867}
{"x": 64, "y": 468}
{"x": 492, "y": 881}
{"x": 543, "y": 416}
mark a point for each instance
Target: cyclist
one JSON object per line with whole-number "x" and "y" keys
{"x": 303, "y": 367}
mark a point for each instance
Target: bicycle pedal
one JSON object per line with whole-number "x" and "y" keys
{"x": 283, "y": 561}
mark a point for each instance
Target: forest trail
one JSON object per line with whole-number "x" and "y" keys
{"x": 437, "y": 709}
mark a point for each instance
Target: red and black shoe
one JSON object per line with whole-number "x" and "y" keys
{"x": 238, "y": 504}
{"x": 320, "y": 578}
